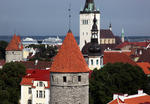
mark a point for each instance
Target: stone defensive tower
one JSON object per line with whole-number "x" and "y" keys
{"x": 69, "y": 75}
{"x": 14, "y": 50}
{"x": 86, "y": 22}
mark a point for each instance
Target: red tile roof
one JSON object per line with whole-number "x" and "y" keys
{"x": 15, "y": 44}
{"x": 135, "y": 100}
{"x": 106, "y": 33}
{"x": 138, "y": 100}
{"x": 142, "y": 44}
{"x": 113, "y": 57}
{"x": 39, "y": 65}
{"x": 145, "y": 56}
{"x": 69, "y": 57}
{"x": 145, "y": 66}
{"x": 35, "y": 75}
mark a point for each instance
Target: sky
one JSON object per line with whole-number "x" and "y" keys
{"x": 50, "y": 17}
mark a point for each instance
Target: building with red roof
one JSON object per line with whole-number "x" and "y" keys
{"x": 14, "y": 49}
{"x": 130, "y": 45}
{"x": 69, "y": 74}
{"x": 140, "y": 98}
{"x": 35, "y": 87}
{"x": 117, "y": 56}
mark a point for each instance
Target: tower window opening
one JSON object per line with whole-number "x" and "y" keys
{"x": 64, "y": 79}
{"x": 79, "y": 78}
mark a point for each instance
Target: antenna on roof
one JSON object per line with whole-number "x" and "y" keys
{"x": 69, "y": 10}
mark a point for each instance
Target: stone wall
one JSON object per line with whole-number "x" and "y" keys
{"x": 14, "y": 56}
{"x": 72, "y": 91}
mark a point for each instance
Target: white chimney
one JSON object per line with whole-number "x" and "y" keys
{"x": 140, "y": 91}
{"x": 122, "y": 97}
{"x": 36, "y": 62}
{"x": 115, "y": 96}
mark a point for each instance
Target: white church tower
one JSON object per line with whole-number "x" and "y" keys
{"x": 86, "y": 22}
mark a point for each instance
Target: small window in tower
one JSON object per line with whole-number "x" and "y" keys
{"x": 86, "y": 33}
{"x": 79, "y": 78}
{"x": 83, "y": 33}
{"x": 87, "y": 21}
{"x": 64, "y": 79}
{"x": 52, "y": 78}
{"x": 91, "y": 62}
{"x": 97, "y": 62}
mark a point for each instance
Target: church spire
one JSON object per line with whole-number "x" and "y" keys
{"x": 94, "y": 37}
{"x": 89, "y": 6}
{"x": 122, "y": 35}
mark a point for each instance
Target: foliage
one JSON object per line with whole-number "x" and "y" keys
{"x": 44, "y": 53}
{"x": 116, "y": 78}
{"x": 3, "y": 45}
{"x": 10, "y": 79}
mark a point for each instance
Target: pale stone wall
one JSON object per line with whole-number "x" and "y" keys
{"x": 25, "y": 96}
{"x": 107, "y": 41}
{"x": 45, "y": 93}
{"x": 14, "y": 56}
{"x": 85, "y": 29}
{"x": 70, "y": 92}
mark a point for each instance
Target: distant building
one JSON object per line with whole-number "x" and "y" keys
{"x": 14, "y": 50}
{"x": 118, "y": 56}
{"x": 69, "y": 75}
{"x": 86, "y": 22}
{"x": 35, "y": 87}
{"x": 106, "y": 37}
{"x": 140, "y": 98}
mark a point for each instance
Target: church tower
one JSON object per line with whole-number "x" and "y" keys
{"x": 69, "y": 75}
{"x": 86, "y": 22}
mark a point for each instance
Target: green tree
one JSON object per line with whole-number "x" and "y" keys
{"x": 3, "y": 45}
{"x": 116, "y": 78}
{"x": 10, "y": 79}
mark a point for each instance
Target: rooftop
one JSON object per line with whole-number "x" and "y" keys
{"x": 15, "y": 44}
{"x": 69, "y": 58}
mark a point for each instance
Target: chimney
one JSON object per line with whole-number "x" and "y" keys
{"x": 115, "y": 96}
{"x": 36, "y": 62}
{"x": 140, "y": 91}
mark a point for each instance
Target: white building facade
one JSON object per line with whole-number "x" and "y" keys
{"x": 35, "y": 91}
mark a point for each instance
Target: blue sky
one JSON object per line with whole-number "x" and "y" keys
{"x": 50, "y": 17}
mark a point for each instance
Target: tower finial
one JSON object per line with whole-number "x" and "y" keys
{"x": 69, "y": 10}
{"x": 94, "y": 37}
{"x": 122, "y": 35}
{"x": 110, "y": 26}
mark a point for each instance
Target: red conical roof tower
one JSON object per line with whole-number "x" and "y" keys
{"x": 15, "y": 44}
{"x": 69, "y": 58}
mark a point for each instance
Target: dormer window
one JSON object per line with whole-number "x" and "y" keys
{"x": 40, "y": 84}
{"x": 64, "y": 79}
